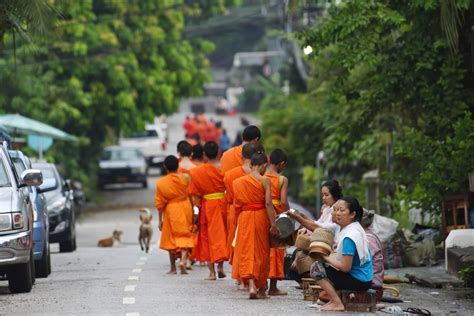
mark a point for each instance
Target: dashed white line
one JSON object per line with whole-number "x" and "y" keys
{"x": 132, "y": 314}
{"x": 137, "y": 271}
{"x": 128, "y": 300}
{"x": 129, "y": 288}
{"x": 143, "y": 258}
{"x": 133, "y": 278}
{"x": 140, "y": 263}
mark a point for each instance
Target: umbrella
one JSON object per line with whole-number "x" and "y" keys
{"x": 23, "y": 124}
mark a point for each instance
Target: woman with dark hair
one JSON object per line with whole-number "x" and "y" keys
{"x": 350, "y": 267}
{"x": 331, "y": 192}
{"x": 256, "y": 218}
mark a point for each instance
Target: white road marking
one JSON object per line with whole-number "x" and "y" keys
{"x": 140, "y": 263}
{"x": 132, "y": 314}
{"x": 136, "y": 270}
{"x": 129, "y": 288}
{"x": 143, "y": 258}
{"x": 133, "y": 278}
{"x": 128, "y": 300}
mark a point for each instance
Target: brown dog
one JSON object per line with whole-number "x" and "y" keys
{"x": 146, "y": 230}
{"x": 112, "y": 240}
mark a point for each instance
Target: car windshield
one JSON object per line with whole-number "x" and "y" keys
{"x": 47, "y": 171}
{"x": 147, "y": 133}
{"x": 19, "y": 166}
{"x": 4, "y": 179}
{"x": 125, "y": 154}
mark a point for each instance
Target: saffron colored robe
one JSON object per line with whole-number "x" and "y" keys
{"x": 229, "y": 178}
{"x": 231, "y": 158}
{"x": 277, "y": 255}
{"x": 207, "y": 183}
{"x": 172, "y": 200}
{"x": 252, "y": 247}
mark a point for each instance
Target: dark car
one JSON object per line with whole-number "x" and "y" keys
{"x": 40, "y": 219}
{"x": 62, "y": 217}
{"x": 122, "y": 165}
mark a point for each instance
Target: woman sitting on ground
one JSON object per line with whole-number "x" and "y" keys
{"x": 350, "y": 267}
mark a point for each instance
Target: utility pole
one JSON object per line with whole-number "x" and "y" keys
{"x": 320, "y": 157}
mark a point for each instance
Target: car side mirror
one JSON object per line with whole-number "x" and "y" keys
{"x": 32, "y": 177}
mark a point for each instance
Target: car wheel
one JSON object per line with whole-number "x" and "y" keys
{"x": 43, "y": 266}
{"x": 33, "y": 268}
{"x": 20, "y": 278}
{"x": 145, "y": 184}
{"x": 67, "y": 246}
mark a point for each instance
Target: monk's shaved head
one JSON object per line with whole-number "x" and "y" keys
{"x": 251, "y": 133}
{"x": 211, "y": 150}
{"x": 251, "y": 148}
{"x": 278, "y": 156}
{"x": 185, "y": 149}
{"x": 171, "y": 163}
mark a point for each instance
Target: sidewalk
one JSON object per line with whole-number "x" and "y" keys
{"x": 447, "y": 300}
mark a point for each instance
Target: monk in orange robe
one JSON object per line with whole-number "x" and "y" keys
{"x": 185, "y": 151}
{"x": 256, "y": 221}
{"x": 207, "y": 183}
{"x": 247, "y": 151}
{"x": 198, "y": 155}
{"x": 233, "y": 157}
{"x": 175, "y": 212}
{"x": 278, "y": 159}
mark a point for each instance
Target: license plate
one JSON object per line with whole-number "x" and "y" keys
{"x": 121, "y": 179}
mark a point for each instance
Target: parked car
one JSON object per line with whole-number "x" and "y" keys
{"x": 153, "y": 143}
{"x": 16, "y": 224}
{"x": 40, "y": 219}
{"x": 62, "y": 217}
{"x": 122, "y": 165}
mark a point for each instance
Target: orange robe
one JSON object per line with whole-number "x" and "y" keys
{"x": 277, "y": 255}
{"x": 229, "y": 178}
{"x": 172, "y": 200}
{"x": 252, "y": 248}
{"x": 207, "y": 183}
{"x": 232, "y": 158}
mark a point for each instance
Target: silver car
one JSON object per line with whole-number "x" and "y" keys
{"x": 16, "y": 224}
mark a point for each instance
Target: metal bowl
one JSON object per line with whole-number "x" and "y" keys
{"x": 286, "y": 225}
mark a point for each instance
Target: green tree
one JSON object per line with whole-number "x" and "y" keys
{"x": 105, "y": 69}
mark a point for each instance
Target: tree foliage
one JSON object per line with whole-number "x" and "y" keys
{"x": 384, "y": 76}
{"x": 105, "y": 68}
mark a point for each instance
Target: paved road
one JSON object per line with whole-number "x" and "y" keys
{"x": 124, "y": 281}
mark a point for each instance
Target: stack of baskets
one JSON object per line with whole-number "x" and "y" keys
{"x": 321, "y": 243}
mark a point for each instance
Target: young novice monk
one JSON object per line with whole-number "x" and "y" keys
{"x": 185, "y": 151}
{"x": 278, "y": 159}
{"x": 175, "y": 214}
{"x": 233, "y": 157}
{"x": 247, "y": 151}
{"x": 207, "y": 184}
{"x": 256, "y": 219}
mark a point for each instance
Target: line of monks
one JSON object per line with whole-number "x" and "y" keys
{"x": 224, "y": 209}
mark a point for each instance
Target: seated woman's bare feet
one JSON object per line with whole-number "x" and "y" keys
{"x": 333, "y": 307}
{"x": 277, "y": 291}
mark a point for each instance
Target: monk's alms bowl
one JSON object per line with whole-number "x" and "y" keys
{"x": 286, "y": 225}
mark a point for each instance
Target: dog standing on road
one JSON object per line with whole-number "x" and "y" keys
{"x": 146, "y": 230}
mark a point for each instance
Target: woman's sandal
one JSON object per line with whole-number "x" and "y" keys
{"x": 418, "y": 311}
